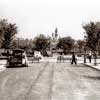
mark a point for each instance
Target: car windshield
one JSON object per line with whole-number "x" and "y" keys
{"x": 17, "y": 54}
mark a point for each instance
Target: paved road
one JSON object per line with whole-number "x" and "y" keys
{"x": 50, "y": 81}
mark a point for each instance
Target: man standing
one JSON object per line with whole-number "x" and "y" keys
{"x": 89, "y": 57}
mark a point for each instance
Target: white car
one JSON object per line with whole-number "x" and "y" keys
{"x": 37, "y": 54}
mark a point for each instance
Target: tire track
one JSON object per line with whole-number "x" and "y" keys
{"x": 51, "y": 83}
{"x": 25, "y": 96}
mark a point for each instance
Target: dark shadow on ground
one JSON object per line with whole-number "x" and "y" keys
{"x": 16, "y": 66}
{"x": 34, "y": 62}
{"x": 85, "y": 66}
{"x": 78, "y": 65}
{"x": 63, "y": 62}
{"x": 92, "y": 77}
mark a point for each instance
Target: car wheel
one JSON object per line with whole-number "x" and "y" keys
{"x": 26, "y": 65}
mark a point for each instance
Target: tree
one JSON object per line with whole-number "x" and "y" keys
{"x": 41, "y": 42}
{"x": 3, "y": 24}
{"x": 81, "y": 45}
{"x": 65, "y": 43}
{"x": 92, "y": 35}
{"x": 7, "y": 33}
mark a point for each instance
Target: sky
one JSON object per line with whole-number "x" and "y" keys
{"x": 34, "y": 17}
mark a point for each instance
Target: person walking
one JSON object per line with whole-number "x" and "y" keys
{"x": 73, "y": 58}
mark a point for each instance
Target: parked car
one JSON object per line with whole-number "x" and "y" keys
{"x": 37, "y": 54}
{"x": 17, "y": 58}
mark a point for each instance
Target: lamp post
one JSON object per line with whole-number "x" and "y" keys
{"x": 85, "y": 56}
{"x": 84, "y": 52}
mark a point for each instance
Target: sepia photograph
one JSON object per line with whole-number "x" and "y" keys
{"x": 49, "y": 50}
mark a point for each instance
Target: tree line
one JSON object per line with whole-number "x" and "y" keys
{"x": 41, "y": 42}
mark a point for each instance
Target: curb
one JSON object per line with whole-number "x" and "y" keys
{"x": 91, "y": 66}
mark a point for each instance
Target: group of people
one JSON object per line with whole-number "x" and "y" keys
{"x": 74, "y": 59}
